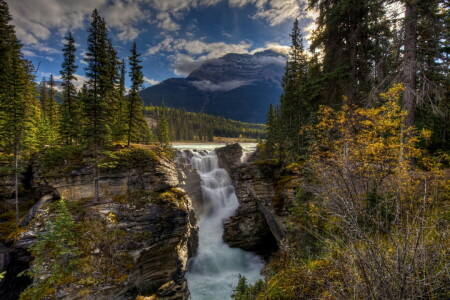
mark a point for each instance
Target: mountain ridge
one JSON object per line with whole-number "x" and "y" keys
{"x": 234, "y": 86}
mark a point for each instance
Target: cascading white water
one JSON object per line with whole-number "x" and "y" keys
{"x": 217, "y": 266}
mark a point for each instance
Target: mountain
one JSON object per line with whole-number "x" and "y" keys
{"x": 235, "y": 86}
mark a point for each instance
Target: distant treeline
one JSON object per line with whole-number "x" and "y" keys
{"x": 189, "y": 126}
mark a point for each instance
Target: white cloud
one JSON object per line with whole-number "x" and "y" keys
{"x": 165, "y": 22}
{"x": 28, "y": 53}
{"x": 208, "y": 86}
{"x": 78, "y": 83}
{"x": 124, "y": 15}
{"x": 269, "y": 60}
{"x": 185, "y": 64}
{"x": 150, "y": 81}
{"x": 36, "y": 19}
{"x": 278, "y": 48}
{"x": 189, "y": 55}
{"x": 274, "y": 12}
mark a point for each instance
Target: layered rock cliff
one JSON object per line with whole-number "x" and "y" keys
{"x": 258, "y": 225}
{"x": 136, "y": 238}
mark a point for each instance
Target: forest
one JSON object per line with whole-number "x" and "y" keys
{"x": 361, "y": 138}
{"x": 189, "y": 126}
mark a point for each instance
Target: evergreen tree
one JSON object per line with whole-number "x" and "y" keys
{"x": 52, "y": 112}
{"x": 97, "y": 100}
{"x": 410, "y": 61}
{"x": 162, "y": 129}
{"x": 17, "y": 98}
{"x": 96, "y": 106}
{"x": 113, "y": 96}
{"x": 272, "y": 136}
{"x": 294, "y": 104}
{"x": 55, "y": 255}
{"x": 43, "y": 97}
{"x": 433, "y": 76}
{"x": 120, "y": 121}
{"x": 349, "y": 36}
{"x": 70, "y": 111}
{"x": 135, "y": 104}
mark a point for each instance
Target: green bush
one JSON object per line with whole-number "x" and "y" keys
{"x": 57, "y": 160}
{"x": 245, "y": 291}
{"x": 128, "y": 158}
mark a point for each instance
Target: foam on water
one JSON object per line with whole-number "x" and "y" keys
{"x": 217, "y": 266}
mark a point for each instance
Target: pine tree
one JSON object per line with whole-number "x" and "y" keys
{"x": 112, "y": 94}
{"x": 350, "y": 36}
{"x": 55, "y": 254}
{"x": 119, "y": 131}
{"x": 97, "y": 100}
{"x": 135, "y": 104}
{"x": 410, "y": 61}
{"x": 294, "y": 102}
{"x": 70, "y": 111}
{"x": 43, "y": 96}
{"x": 96, "y": 105}
{"x": 162, "y": 129}
{"x": 272, "y": 135}
{"x": 17, "y": 98}
{"x": 52, "y": 109}
{"x": 433, "y": 76}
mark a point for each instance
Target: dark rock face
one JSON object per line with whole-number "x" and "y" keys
{"x": 153, "y": 217}
{"x": 13, "y": 261}
{"x": 256, "y": 226}
{"x": 235, "y": 86}
{"x": 229, "y": 157}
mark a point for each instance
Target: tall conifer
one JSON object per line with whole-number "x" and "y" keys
{"x": 162, "y": 129}
{"x": 17, "y": 98}
{"x": 70, "y": 111}
{"x": 135, "y": 104}
{"x": 96, "y": 107}
{"x": 96, "y": 101}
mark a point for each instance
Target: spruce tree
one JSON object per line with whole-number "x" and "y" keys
{"x": 70, "y": 110}
{"x": 162, "y": 129}
{"x": 17, "y": 98}
{"x": 112, "y": 94}
{"x": 294, "y": 100}
{"x": 97, "y": 100}
{"x": 272, "y": 136}
{"x": 410, "y": 61}
{"x": 52, "y": 109}
{"x": 349, "y": 35}
{"x": 135, "y": 104}
{"x": 120, "y": 122}
{"x": 56, "y": 254}
{"x": 96, "y": 106}
{"x": 47, "y": 124}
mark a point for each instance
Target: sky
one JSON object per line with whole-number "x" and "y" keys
{"x": 173, "y": 36}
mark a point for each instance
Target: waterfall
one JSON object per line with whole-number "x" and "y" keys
{"x": 217, "y": 266}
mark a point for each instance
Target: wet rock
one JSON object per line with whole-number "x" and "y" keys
{"x": 229, "y": 156}
{"x": 257, "y": 225}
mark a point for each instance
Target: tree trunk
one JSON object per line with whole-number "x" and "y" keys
{"x": 353, "y": 55}
{"x": 410, "y": 63}
{"x": 16, "y": 180}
